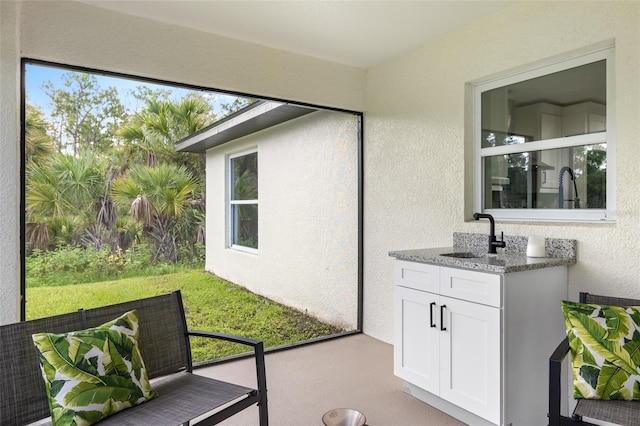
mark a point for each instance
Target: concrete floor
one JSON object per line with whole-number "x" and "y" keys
{"x": 306, "y": 382}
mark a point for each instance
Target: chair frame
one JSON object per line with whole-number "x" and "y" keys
{"x": 164, "y": 344}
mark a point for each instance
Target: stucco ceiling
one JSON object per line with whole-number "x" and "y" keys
{"x": 356, "y": 33}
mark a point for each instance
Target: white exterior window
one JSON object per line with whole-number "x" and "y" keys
{"x": 243, "y": 200}
{"x": 544, "y": 142}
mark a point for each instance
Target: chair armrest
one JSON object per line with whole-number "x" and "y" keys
{"x": 228, "y": 337}
{"x": 261, "y": 375}
{"x": 555, "y": 373}
{"x": 257, "y": 345}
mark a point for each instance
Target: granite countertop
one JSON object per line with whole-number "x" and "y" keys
{"x": 512, "y": 258}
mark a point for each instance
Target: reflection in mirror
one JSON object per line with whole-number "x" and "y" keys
{"x": 566, "y": 103}
{"x": 566, "y": 178}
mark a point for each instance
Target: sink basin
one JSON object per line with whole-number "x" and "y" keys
{"x": 463, "y": 255}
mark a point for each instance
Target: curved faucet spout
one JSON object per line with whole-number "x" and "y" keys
{"x": 576, "y": 198}
{"x": 493, "y": 241}
{"x": 492, "y": 222}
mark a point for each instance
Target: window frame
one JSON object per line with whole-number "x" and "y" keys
{"x": 231, "y": 203}
{"x": 607, "y": 137}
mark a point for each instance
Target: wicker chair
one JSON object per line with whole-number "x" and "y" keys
{"x": 625, "y": 413}
{"x": 164, "y": 345}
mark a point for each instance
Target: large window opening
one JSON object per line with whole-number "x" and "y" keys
{"x": 113, "y": 212}
{"x": 544, "y": 142}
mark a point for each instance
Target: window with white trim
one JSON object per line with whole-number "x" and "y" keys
{"x": 243, "y": 200}
{"x": 544, "y": 142}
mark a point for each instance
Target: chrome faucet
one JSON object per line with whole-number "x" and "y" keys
{"x": 493, "y": 241}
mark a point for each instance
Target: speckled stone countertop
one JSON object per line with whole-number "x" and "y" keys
{"x": 512, "y": 258}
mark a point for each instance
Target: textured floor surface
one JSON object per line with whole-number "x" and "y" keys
{"x": 306, "y": 382}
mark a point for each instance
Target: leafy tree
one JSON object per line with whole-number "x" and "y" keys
{"x": 237, "y": 104}
{"x": 87, "y": 116}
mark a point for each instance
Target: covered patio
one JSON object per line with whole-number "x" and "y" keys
{"x": 354, "y": 371}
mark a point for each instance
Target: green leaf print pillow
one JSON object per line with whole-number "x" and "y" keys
{"x": 94, "y": 373}
{"x": 605, "y": 350}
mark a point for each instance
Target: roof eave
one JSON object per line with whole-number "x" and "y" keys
{"x": 256, "y": 117}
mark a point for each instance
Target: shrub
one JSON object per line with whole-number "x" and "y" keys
{"x": 73, "y": 265}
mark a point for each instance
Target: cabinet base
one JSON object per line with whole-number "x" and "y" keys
{"x": 445, "y": 406}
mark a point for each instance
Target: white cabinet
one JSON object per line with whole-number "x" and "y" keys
{"x": 456, "y": 339}
{"x": 584, "y": 118}
{"x": 538, "y": 121}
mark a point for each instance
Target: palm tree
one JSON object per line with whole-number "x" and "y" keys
{"x": 68, "y": 197}
{"x": 38, "y": 143}
{"x": 62, "y": 196}
{"x": 157, "y": 197}
{"x": 150, "y": 135}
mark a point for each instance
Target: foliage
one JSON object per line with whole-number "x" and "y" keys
{"x": 87, "y": 115}
{"x": 104, "y": 178}
{"x": 73, "y": 264}
{"x": 61, "y": 195}
{"x": 210, "y": 304}
{"x": 158, "y": 198}
{"x": 237, "y": 104}
{"x": 149, "y": 135}
{"x": 597, "y": 179}
{"x": 38, "y": 143}
{"x": 68, "y": 194}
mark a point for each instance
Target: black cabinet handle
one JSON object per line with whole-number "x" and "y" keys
{"x": 431, "y": 323}
{"x": 442, "y": 327}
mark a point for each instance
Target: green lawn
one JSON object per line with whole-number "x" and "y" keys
{"x": 210, "y": 304}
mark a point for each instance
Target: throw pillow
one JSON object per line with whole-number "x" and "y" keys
{"x": 94, "y": 373}
{"x": 605, "y": 350}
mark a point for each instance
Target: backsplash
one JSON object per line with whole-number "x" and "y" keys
{"x": 555, "y": 247}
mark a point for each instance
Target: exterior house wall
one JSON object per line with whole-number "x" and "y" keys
{"x": 307, "y": 216}
{"x": 417, "y": 186}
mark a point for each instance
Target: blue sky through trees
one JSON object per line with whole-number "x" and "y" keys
{"x": 37, "y": 75}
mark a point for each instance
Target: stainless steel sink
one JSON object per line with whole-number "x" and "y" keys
{"x": 464, "y": 255}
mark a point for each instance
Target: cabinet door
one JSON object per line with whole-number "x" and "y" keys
{"x": 470, "y": 361}
{"x": 416, "y": 338}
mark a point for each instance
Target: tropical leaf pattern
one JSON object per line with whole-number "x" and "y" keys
{"x": 605, "y": 350}
{"x": 94, "y": 373}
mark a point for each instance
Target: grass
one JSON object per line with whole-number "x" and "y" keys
{"x": 210, "y": 304}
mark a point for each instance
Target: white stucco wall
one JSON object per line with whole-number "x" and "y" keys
{"x": 414, "y": 145}
{"x": 75, "y": 33}
{"x": 9, "y": 164}
{"x": 307, "y": 216}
